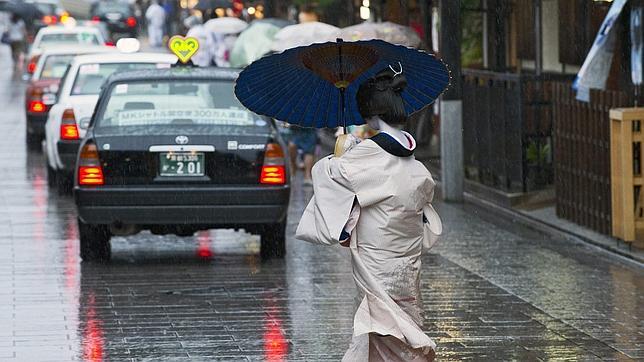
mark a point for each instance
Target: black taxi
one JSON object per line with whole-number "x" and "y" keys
{"x": 173, "y": 151}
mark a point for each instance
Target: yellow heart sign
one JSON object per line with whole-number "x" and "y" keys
{"x": 183, "y": 48}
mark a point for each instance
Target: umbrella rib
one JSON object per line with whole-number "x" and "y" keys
{"x": 297, "y": 100}
{"x": 285, "y": 91}
{"x": 266, "y": 85}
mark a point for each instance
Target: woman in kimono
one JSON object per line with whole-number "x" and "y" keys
{"x": 375, "y": 199}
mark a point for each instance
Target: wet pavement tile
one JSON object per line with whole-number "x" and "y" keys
{"x": 492, "y": 290}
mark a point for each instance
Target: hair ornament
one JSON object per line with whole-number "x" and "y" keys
{"x": 396, "y": 72}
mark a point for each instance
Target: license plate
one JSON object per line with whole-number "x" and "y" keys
{"x": 181, "y": 164}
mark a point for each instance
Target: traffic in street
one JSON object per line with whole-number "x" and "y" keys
{"x": 147, "y": 214}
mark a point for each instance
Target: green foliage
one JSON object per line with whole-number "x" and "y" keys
{"x": 537, "y": 153}
{"x": 472, "y": 33}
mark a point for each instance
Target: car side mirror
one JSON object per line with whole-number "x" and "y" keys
{"x": 84, "y": 122}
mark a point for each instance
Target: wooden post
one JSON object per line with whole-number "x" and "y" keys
{"x": 627, "y": 187}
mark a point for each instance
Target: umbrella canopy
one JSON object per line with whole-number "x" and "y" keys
{"x": 252, "y": 44}
{"x": 27, "y": 11}
{"x": 227, "y": 25}
{"x": 213, "y": 4}
{"x": 387, "y": 31}
{"x": 316, "y": 85}
{"x": 280, "y": 23}
{"x": 304, "y": 34}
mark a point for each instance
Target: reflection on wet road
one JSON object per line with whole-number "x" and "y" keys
{"x": 491, "y": 290}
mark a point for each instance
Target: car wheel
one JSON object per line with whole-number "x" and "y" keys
{"x": 51, "y": 177}
{"x": 273, "y": 241}
{"x": 94, "y": 242}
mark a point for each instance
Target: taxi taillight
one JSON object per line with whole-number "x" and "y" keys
{"x": 90, "y": 172}
{"x": 274, "y": 167}
{"x": 68, "y": 127}
{"x": 37, "y": 107}
{"x": 31, "y": 67}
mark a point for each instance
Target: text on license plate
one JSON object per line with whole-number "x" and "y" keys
{"x": 181, "y": 164}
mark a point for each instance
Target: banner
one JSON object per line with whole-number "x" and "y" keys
{"x": 636, "y": 45}
{"x": 594, "y": 72}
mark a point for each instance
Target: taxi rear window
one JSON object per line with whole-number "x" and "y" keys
{"x": 70, "y": 38}
{"x": 176, "y": 103}
{"x": 55, "y": 66}
{"x": 90, "y": 77}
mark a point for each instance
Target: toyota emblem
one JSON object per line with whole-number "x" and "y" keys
{"x": 182, "y": 140}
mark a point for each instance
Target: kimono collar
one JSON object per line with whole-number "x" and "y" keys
{"x": 390, "y": 144}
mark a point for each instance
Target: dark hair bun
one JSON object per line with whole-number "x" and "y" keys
{"x": 380, "y": 96}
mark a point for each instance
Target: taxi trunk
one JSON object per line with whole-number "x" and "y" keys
{"x": 159, "y": 160}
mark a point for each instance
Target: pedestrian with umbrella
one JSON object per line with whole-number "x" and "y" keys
{"x": 155, "y": 16}
{"x": 15, "y": 36}
{"x": 373, "y": 196}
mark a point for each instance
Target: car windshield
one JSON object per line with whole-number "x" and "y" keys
{"x": 90, "y": 77}
{"x": 112, "y": 7}
{"x": 55, "y": 66}
{"x": 148, "y": 107}
{"x": 70, "y": 38}
{"x": 46, "y": 8}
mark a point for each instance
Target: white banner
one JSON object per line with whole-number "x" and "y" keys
{"x": 636, "y": 45}
{"x": 594, "y": 72}
{"x": 211, "y": 116}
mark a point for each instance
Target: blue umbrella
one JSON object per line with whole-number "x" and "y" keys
{"x": 316, "y": 85}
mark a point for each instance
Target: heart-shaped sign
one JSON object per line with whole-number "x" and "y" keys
{"x": 183, "y": 48}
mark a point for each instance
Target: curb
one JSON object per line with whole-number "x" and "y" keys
{"x": 553, "y": 230}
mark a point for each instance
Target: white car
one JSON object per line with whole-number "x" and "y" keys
{"x": 43, "y": 86}
{"x": 77, "y": 96}
{"x": 54, "y": 36}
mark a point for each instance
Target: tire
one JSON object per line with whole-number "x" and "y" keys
{"x": 52, "y": 180}
{"x": 94, "y": 242}
{"x": 273, "y": 241}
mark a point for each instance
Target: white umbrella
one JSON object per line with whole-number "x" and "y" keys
{"x": 304, "y": 34}
{"x": 387, "y": 31}
{"x": 227, "y": 25}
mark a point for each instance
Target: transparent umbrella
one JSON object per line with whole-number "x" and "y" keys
{"x": 304, "y": 34}
{"x": 227, "y": 25}
{"x": 387, "y": 31}
{"x": 252, "y": 44}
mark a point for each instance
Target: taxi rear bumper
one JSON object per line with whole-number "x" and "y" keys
{"x": 214, "y": 206}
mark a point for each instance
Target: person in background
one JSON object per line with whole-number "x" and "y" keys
{"x": 155, "y": 16}
{"x": 16, "y": 36}
{"x": 304, "y": 140}
{"x": 203, "y": 56}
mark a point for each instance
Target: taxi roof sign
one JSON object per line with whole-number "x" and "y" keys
{"x": 183, "y": 47}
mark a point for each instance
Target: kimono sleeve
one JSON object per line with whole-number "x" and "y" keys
{"x": 328, "y": 211}
{"x": 433, "y": 226}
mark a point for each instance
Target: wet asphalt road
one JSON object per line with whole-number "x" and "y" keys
{"x": 492, "y": 290}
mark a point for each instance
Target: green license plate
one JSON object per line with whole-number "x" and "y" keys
{"x": 181, "y": 164}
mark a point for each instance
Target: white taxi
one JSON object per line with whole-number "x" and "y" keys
{"x": 43, "y": 86}
{"x": 62, "y": 35}
{"x": 77, "y": 96}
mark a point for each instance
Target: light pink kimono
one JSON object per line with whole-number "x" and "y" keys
{"x": 393, "y": 193}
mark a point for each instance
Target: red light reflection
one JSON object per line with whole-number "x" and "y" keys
{"x": 275, "y": 345}
{"x": 204, "y": 250}
{"x": 92, "y": 334}
{"x": 71, "y": 254}
{"x": 40, "y": 212}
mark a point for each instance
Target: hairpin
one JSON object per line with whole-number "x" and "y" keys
{"x": 396, "y": 72}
